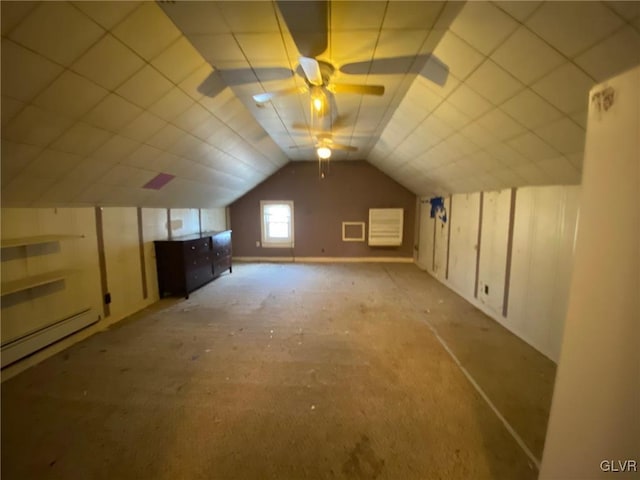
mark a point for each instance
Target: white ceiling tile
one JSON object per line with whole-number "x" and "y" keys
{"x": 262, "y": 46}
{"x": 356, "y": 15}
{"x": 143, "y": 127}
{"x": 191, "y": 118}
{"x": 526, "y": 57}
{"x": 436, "y": 126}
{"x": 112, "y": 113}
{"x": 126, "y": 176}
{"x": 251, "y": 16}
{"x": 463, "y": 144}
{"x": 483, "y": 25}
{"x": 81, "y": 139}
{"x": 453, "y": 117}
{"x": 10, "y": 108}
{"x": 166, "y": 137}
{"x": 469, "y": 102}
{"x": 519, "y": 9}
{"x": 626, "y": 9}
{"x": 352, "y": 47}
{"x": 206, "y": 127}
{"x": 580, "y": 118}
{"x": 199, "y": 18}
{"x": 70, "y": 95}
{"x": 567, "y": 88}
{"x": 217, "y": 49}
{"x": 24, "y": 189}
{"x": 501, "y": 125}
{"x": 147, "y": 30}
{"x": 178, "y": 61}
{"x": 51, "y": 164}
{"x": 61, "y": 192}
{"x": 532, "y": 174}
{"x": 530, "y": 109}
{"x": 16, "y": 156}
{"x": 403, "y": 15}
{"x": 35, "y": 126}
{"x": 13, "y": 13}
{"x": 194, "y": 80}
{"x": 145, "y": 156}
{"x": 171, "y": 104}
{"x": 108, "y": 63}
{"x": 24, "y": 73}
{"x": 614, "y": 55}
{"x": 458, "y": 55}
{"x": 115, "y": 149}
{"x": 560, "y": 171}
{"x": 533, "y": 147}
{"x": 479, "y": 135}
{"x": 41, "y": 32}
{"x": 400, "y": 43}
{"x": 145, "y": 88}
{"x": 508, "y": 177}
{"x": 108, "y": 14}
{"x": 564, "y": 135}
{"x": 94, "y": 194}
{"x": 576, "y": 159}
{"x": 493, "y": 82}
{"x": 506, "y": 155}
{"x": 573, "y": 27}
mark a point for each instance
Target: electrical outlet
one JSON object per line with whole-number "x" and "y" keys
{"x": 257, "y": 243}
{"x": 486, "y": 289}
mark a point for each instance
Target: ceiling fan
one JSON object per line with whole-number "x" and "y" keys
{"x": 308, "y": 24}
{"x": 324, "y": 144}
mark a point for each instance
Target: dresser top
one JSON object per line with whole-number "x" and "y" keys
{"x": 196, "y": 236}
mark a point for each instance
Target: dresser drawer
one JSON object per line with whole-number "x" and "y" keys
{"x": 196, "y": 247}
{"x": 198, "y": 276}
{"x": 222, "y": 265}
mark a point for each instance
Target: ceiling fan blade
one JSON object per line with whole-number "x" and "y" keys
{"x": 427, "y": 65}
{"x": 308, "y": 23}
{"x": 311, "y": 69}
{"x": 338, "y": 146}
{"x": 359, "y": 89}
{"x": 268, "y": 96}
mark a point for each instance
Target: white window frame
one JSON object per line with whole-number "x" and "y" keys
{"x": 359, "y": 238}
{"x": 276, "y": 243}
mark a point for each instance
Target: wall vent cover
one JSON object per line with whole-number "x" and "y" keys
{"x": 385, "y": 227}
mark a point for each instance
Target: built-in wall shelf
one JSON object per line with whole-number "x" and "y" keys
{"x": 24, "y": 241}
{"x": 33, "y": 281}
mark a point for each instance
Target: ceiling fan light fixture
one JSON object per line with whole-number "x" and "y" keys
{"x": 324, "y": 153}
{"x": 317, "y": 104}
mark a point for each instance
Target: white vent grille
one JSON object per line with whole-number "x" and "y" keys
{"x": 385, "y": 227}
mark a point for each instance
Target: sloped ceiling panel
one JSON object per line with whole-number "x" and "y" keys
{"x": 100, "y": 97}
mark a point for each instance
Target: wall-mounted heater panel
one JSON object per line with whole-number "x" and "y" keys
{"x": 385, "y": 227}
{"x": 31, "y": 342}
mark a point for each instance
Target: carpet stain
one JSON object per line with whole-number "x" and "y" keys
{"x": 363, "y": 463}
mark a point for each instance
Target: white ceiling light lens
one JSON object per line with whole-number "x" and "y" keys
{"x": 323, "y": 153}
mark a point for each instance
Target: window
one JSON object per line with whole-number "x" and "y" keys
{"x": 277, "y": 223}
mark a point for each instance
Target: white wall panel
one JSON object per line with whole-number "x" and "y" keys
{"x": 184, "y": 221}
{"x": 122, "y": 254}
{"x": 154, "y": 227}
{"x": 544, "y": 232}
{"x": 441, "y": 243}
{"x": 31, "y": 310}
{"x": 463, "y": 242}
{"x": 493, "y": 249}
{"x": 594, "y": 414}
{"x": 425, "y": 239}
{"x": 213, "y": 219}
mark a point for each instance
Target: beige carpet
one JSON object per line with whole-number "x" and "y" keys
{"x": 288, "y": 372}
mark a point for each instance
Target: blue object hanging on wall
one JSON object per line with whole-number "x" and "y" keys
{"x": 437, "y": 208}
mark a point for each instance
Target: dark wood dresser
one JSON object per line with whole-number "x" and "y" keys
{"x": 188, "y": 262}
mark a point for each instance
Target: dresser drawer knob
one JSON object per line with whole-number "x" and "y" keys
{"x": 193, "y": 247}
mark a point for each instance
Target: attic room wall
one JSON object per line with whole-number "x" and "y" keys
{"x": 320, "y": 207}
{"x": 34, "y": 309}
{"x": 544, "y": 226}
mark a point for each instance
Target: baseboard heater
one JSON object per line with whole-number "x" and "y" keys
{"x": 18, "y": 348}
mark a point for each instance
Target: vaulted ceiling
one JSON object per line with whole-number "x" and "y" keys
{"x": 98, "y": 98}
